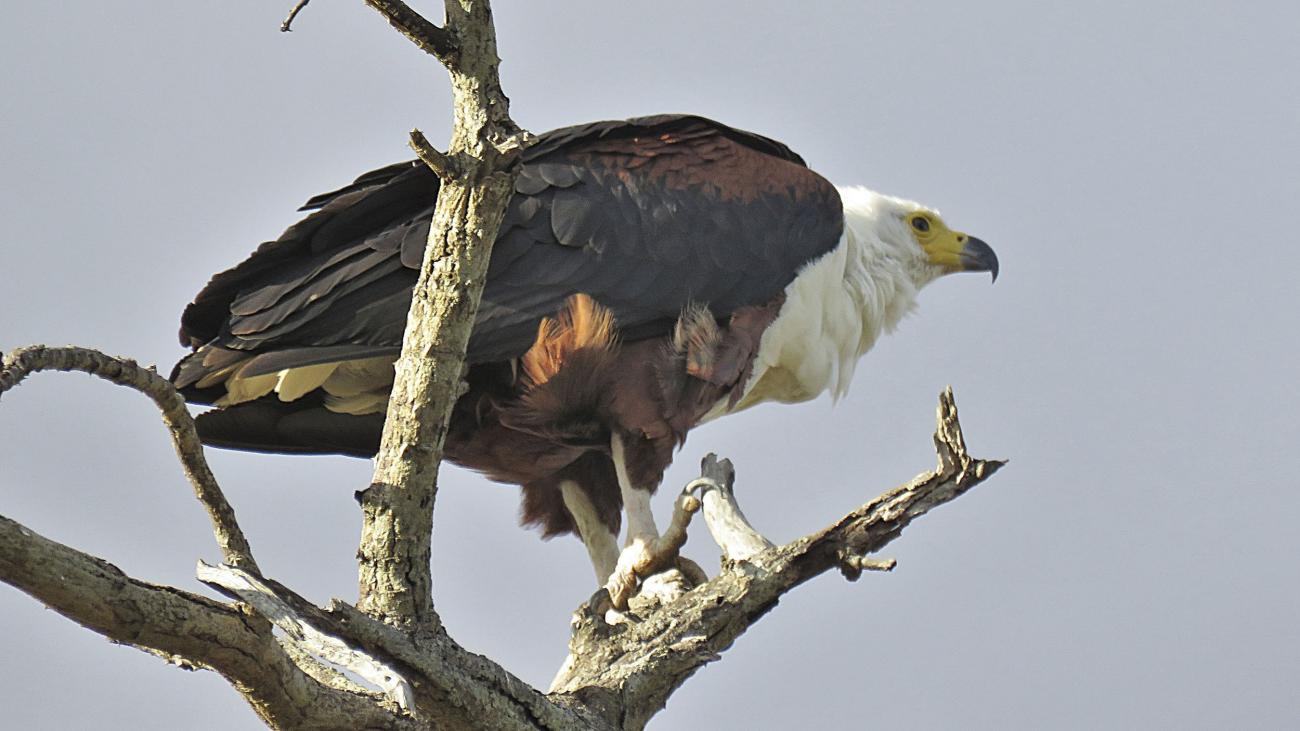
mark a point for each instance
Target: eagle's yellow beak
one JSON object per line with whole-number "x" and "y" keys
{"x": 958, "y": 252}
{"x": 952, "y": 250}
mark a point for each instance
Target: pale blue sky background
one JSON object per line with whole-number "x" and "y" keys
{"x": 1135, "y": 165}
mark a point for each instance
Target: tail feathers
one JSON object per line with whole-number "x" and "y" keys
{"x": 299, "y": 427}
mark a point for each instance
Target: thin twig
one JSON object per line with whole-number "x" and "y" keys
{"x": 18, "y": 364}
{"x": 284, "y": 27}
{"x": 852, "y": 565}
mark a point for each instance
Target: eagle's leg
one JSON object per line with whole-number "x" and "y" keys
{"x": 635, "y": 558}
{"x": 644, "y": 551}
{"x": 601, "y": 542}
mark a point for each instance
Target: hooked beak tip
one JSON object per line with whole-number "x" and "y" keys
{"x": 977, "y": 256}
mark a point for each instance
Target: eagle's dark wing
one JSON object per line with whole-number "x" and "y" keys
{"x": 646, "y": 216}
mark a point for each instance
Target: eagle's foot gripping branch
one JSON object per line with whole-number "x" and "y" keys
{"x": 641, "y": 662}
{"x": 651, "y": 573}
{"x": 652, "y": 569}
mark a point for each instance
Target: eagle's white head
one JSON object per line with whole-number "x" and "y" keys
{"x": 898, "y": 236}
{"x": 840, "y": 304}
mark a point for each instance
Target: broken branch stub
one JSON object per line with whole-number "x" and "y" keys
{"x": 728, "y": 525}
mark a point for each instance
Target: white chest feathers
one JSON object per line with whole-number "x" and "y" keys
{"x": 835, "y": 309}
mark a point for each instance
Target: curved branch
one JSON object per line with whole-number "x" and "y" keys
{"x": 20, "y": 363}
{"x": 287, "y": 25}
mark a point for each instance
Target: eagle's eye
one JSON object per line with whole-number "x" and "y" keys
{"x": 920, "y": 224}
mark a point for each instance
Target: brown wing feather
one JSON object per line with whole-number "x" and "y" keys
{"x": 645, "y": 217}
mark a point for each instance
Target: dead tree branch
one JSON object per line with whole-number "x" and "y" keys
{"x": 630, "y": 669}
{"x": 426, "y": 674}
{"x": 263, "y": 598}
{"x": 440, "y": 42}
{"x": 186, "y": 630}
{"x": 436, "y": 160}
{"x": 287, "y": 25}
{"x": 125, "y": 372}
{"x": 728, "y": 525}
{"x": 395, "y": 551}
{"x": 617, "y": 676}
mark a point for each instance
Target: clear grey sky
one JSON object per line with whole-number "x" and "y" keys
{"x": 1135, "y": 165}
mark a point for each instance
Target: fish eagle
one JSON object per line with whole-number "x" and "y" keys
{"x": 649, "y": 275}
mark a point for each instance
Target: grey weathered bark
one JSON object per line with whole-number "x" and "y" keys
{"x": 477, "y": 180}
{"x": 616, "y": 677}
{"x": 188, "y": 631}
{"x": 632, "y": 670}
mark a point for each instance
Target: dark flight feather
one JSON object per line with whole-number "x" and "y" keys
{"x": 645, "y": 216}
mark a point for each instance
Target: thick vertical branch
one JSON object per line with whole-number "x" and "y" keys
{"x": 395, "y": 552}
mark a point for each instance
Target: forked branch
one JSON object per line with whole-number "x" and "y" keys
{"x": 632, "y": 668}
{"x": 615, "y": 676}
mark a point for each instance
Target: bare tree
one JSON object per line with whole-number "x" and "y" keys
{"x": 403, "y": 669}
